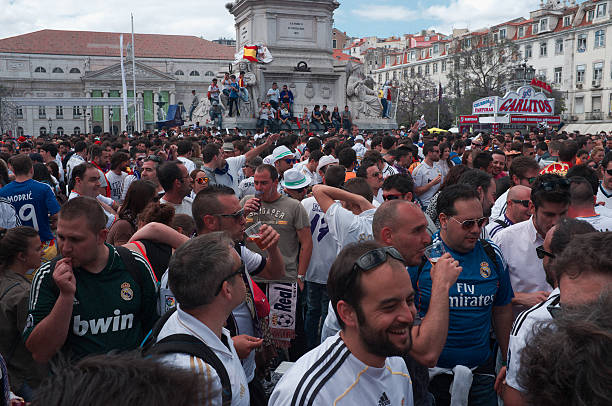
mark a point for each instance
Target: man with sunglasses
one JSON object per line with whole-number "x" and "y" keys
{"x": 370, "y": 171}
{"x": 550, "y": 201}
{"x": 373, "y": 300}
{"x": 518, "y": 209}
{"x": 604, "y": 192}
{"x": 523, "y": 171}
{"x": 283, "y": 159}
{"x": 481, "y": 295}
{"x": 207, "y": 290}
{"x": 557, "y": 240}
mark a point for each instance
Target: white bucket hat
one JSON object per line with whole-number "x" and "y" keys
{"x": 295, "y": 179}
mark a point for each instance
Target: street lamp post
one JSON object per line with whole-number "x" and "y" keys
{"x": 50, "y": 123}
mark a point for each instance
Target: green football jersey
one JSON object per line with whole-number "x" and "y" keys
{"x": 111, "y": 311}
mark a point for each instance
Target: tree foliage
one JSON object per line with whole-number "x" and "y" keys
{"x": 414, "y": 93}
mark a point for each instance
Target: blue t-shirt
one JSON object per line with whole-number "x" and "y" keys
{"x": 455, "y": 158}
{"x": 480, "y": 286}
{"x": 34, "y": 202}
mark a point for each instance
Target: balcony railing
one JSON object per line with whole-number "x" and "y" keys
{"x": 593, "y": 115}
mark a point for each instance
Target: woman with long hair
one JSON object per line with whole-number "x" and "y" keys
{"x": 20, "y": 253}
{"x": 445, "y": 163}
{"x": 140, "y": 193}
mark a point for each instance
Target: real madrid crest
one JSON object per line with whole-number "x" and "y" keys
{"x": 485, "y": 271}
{"x": 128, "y": 294}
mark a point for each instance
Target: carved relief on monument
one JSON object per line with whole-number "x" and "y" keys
{"x": 362, "y": 99}
{"x": 309, "y": 91}
{"x": 325, "y": 92}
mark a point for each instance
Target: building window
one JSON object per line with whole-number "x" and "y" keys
{"x": 386, "y": 76}
{"x": 601, "y": 10}
{"x": 179, "y": 73}
{"x": 579, "y": 105}
{"x": 19, "y": 131}
{"x": 19, "y": 112}
{"x": 591, "y": 15}
{"x": 60, "y": 131}
{"x": 59, "y": 112}
{"x": 379, "y": 77}
{"x": 600, "y": 38}
{"x": 542, "y": 74}
{"x": 582, "y": 41}
{"x": 209, "y": 73}
{"x": 528, "y": 52}
{"x": 521, "y": 32}
{"x": 435, "y": 68}
{"x": 42, "y": 131}
{"x": 596, "y": 104}
{"x": 427, "y": 69}
{"x": 567, "y": 21}
{"x": 597, "y": 71}
{"x": 422, "y": 54}
{"x": 443, "y": 66}
{"x": 412, "y": 72}
{"x": 544, "y": 24}
{"x": 419, "y": 70}
{"x": 42, "y": 113}
{"x": 334, "y": 43}
{"x": 194, "y": 73}
{"x": 558, "y": 75}
{"x": 495, "y": 37}
{"x": 58, "y": 70}
{"x": 76, "y": 111}
{"x": 534, "y": 29}
{"x": 76, "y": 131}
{"x": 436, "y": 49}
{"x": 431, "y": 52}
{"x": 559, "y": 46}
{"x": 75, "y": 70}
{"x": 580, "y": 69}
{"x": 40, "y": 69}
{"x": 502, "y": 33}
{"x": 543, "y": 49}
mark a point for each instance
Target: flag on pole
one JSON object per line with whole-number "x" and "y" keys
{"x": 250, "y": 53}
{"x": 123, "y": 85}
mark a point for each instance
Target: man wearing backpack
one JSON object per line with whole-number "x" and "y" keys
{"x": 95, "y": 299}
{"x": 207, "y": 289}
{"x": 482, "y": 293}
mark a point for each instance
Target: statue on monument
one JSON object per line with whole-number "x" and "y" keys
{"x": 361, "y": 97}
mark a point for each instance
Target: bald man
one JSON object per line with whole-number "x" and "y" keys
{"x": 519, "y": 208}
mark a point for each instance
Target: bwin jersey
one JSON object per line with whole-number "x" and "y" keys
{"x": 323, "y": 243}
{"x": 331, "y": 375}
{"x": 480, "y": 286}
{"x": 522, "y": 332}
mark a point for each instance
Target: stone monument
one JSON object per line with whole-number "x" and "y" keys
{"x": 298, "y": 35}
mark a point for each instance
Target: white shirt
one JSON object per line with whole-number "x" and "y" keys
{"x": 360, "y": 150}
{"x": 110, "y": 218}
{"x": 183, "y": 208}
{"x": 246, "y": 187}
{"x": 126, "y": 185}
{"x": 518, "y": 245}
{"x": 189, "y": 165}
{"x": 323, "y": 243}
{"x": 273, "y": 94}
{"x": 183, "y": 323}
{"x": 604, "y": 195}
{"x": 58, "y": 160}
{"x": 303, "y": 167}
{"x": 601, "y": 223}
{"x": 73, "y": 161}
{"x": 338, "y": 378}
{"x": 422, "y": 175}
{"x": 388, "y": 170}
{"x": 378, "y": 198}
{"x": 116, "y": 184}
{"x": 522, "y": 332}
{"x": 499, "y": 208}
{"x": 346, "y": 227}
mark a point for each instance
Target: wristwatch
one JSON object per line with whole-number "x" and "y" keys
{"x": 301, "y": 278}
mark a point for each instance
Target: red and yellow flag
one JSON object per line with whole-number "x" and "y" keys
{"x": 250, "y": 53}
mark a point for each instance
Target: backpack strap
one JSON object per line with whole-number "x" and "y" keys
{"x": 490, "y": 251}
{"x": 140, "y": 247}
{"x": 502, "y": 223}
{"x": 190, "y": 345}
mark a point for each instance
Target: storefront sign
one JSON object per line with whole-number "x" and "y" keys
{"x": 541, "y": 84}
{"x": 535, "y": 120}
{"x": 526, "y": 101}
{"x": 485, "y": 105}
{"x": 468, "y": 119}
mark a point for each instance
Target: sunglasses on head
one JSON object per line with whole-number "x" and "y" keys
{"x": 552, "y": 185}
{"x": 237, "y": 215}
{"x": 202, "y": 181}
{"x": 469, "y": 224}
{"x": 543, "y": 253}
{"x": 525, "y": 203}
{"x": 154, "y": 158}
{"x": 376, "y": 257}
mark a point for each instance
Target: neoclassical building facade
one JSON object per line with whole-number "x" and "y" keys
{"x": 53, "y": 64}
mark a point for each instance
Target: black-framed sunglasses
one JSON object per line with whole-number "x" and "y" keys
{"x": 376, "y": 257}
{"x": 552, "y": 185}
{"x": 229, "y": 277}
{"x": 291, "y": 161}
{"x": 531, "y": 180}
{"x": 386, "y": 198}
{"x": 609, "y": 172}
{"x": 237, "y": 215}
{"x": 543, "y": 253}
{"x": 524, "y": 203}
{"x": 469, "y": 224}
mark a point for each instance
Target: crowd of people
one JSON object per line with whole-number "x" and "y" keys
{"x": 191, "y": 266}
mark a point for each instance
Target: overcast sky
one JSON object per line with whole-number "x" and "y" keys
{"x": 211, "y": 20}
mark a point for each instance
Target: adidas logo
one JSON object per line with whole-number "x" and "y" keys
{"x": 384, "y": 400}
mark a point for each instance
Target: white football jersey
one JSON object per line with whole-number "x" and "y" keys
{"x": 330, "y": 375}
{"x": 347, "y": 227}
{"x": 323, "y": 243}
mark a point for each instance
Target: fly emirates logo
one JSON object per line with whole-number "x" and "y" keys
{"x": 466, "y": 297}
{"x": 100, "y": 326}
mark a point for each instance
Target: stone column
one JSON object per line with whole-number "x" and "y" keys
{"x": 140, "y": 103}
{"x": 105, "y": 114}
{"x": 87, "y": 109}
{"x": 123, "y": 113}
{"x": 172, "y": 97}
{"x": 156, "y": 98}
{"x": 29, "y": 111}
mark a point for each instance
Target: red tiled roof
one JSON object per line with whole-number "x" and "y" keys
{"x": 341, "y": 56}
{"x": 89, "y": 43}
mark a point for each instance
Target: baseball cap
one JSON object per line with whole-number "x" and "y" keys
{"x": 326, "y": 160}
{"x": 281, "y": 152}
{"x": 359, "y": 138}
{"x": 295, "y": 179}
